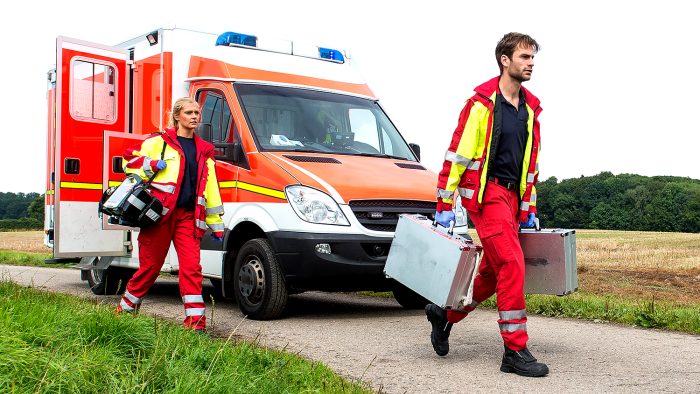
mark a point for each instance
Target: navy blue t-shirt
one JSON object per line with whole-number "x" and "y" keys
{"x": 508, "y": 162}
{"x": 188, "y": 188}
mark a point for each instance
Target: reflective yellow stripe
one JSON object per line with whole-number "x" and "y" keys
{"x": 253, "y": 188}
{"x": 262, "y": 190}
{"x": 49, "y": 192}
{"x": 81, "y": 185}
{"x": 114, "y": 183}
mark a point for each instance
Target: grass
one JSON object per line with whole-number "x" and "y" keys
{"x": 639, "y": 278}
{"x": 634, "y": 312}
{"x": 58, "y": 343}
{"x": 10, "y": 257}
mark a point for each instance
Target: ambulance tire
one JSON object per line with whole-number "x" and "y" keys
{"x": 109, "y": 281}
{"x": 408, "y": 298}
{"x": 258, "y": 281}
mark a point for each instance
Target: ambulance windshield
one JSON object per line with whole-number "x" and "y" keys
{"x": 293, "y": 119}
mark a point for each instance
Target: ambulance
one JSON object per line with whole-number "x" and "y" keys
{"x": 312, "y": 172}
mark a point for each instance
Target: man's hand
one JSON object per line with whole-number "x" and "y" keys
{"x": 217, "y": 236}
{"x": 444, "y": 218}
{"x": 530, "y": 223}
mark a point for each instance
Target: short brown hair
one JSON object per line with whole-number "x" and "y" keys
{"x": 510, "y": 42}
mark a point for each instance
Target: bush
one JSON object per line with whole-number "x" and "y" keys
{"x": 20, "y": 224}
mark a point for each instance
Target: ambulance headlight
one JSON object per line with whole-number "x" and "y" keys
{"x": 315, "y": 206}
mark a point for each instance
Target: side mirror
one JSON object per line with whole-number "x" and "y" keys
{"x": 204, "y": 131}
{"x": 416, "y": 150}
{"x": 233, "y": 152}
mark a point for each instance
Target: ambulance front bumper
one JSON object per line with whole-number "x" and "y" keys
{"x": 332, "y": 262}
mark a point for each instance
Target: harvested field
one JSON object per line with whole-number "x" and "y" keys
{"x": 23, "y": 241}
{"x": 638, "y": 265}
{"x": 630, "y": 264}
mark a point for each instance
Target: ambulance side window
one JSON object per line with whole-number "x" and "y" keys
{"x": 216, "y": 113}
{"x": 93, "y": 91}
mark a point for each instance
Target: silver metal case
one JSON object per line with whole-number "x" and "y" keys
{"x": 550, "y": 261}
{"x": 432, "y": 262}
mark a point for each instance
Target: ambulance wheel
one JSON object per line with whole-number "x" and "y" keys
{"x": 258, "y": 281}
{"x": 408, "y": 298}
{"x": 108, "y": 281}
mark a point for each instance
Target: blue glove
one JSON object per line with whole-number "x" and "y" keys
{"x": 444, "y": 218}
{"x": 530, "y": 221}
{"x": 160, "y": 164}
{"x": 217, "y": 236}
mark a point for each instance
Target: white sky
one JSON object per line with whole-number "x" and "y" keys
{"x": 615, "y": 77}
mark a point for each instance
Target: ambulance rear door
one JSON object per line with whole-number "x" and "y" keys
{"x": 92, "y": 96}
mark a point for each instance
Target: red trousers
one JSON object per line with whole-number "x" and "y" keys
{"x": 154, "y": 242}
{"x": 502, "y": 268}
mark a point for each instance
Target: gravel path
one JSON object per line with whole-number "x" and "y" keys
{"x": 376, "y": 341}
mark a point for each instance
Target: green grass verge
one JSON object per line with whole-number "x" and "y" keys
{"x": 10, "y": 257}
{"x": 582, "y": 305}
{"x": 634, "y": 312}
{"x": 58, "y": 343}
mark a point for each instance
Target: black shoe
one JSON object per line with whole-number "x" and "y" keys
{"x": 522, "y": 363}
{"x": 441, "y": 329}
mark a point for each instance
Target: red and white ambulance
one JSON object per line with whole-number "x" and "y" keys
{"x": 312, "y": 172}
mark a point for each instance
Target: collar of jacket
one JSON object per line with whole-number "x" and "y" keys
{"x": 170, "y": 136}
{"x": 488, "y": 88}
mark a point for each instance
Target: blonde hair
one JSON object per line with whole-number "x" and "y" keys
{"x": 177, "y": 107}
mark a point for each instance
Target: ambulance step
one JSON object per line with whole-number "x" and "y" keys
{"x": 62, "y": 260}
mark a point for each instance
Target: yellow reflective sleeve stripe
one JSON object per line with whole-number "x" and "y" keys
{"x": 253, "y": 188}
{"x": 456, "y": 171}
{"x": 528, "y": 150}
{"x": 469, "y": 146}
{"x": 50, "y": 192}
{"x": 81, "y": 185}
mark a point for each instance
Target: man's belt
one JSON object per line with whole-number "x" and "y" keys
{"x": 507, "y": 184}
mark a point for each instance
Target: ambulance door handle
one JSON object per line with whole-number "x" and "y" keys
{"x": 71, "y": 166}
{"x": 117, "y": 165}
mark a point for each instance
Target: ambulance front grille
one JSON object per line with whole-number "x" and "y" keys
{"x": 383, "y": 215}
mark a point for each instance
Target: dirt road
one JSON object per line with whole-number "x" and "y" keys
{"x": 376, "y": 341}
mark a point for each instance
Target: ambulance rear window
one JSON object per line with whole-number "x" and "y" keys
{"x": 93, "y": 91}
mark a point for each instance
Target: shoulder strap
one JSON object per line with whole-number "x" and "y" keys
{"x": 162, "y": 154}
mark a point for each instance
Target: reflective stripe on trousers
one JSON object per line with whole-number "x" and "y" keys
{"x": 154, "y": 242}
{"x": 502, "y": 268}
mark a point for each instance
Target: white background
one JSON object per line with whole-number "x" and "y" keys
{"x": 617, "y": 79}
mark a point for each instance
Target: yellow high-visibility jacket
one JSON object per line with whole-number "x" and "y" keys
{"x": 466, "y": 161}
{"x": 166, "y": 185}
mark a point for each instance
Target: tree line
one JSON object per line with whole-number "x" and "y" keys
{"x": 620, "y": 202}
{"x": 604, "y": 201}
{"x": 21, "y": 211}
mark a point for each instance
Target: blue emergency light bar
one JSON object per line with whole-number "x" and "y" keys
{"x": 331, "y": 54}
{"x": 231, "y": 38}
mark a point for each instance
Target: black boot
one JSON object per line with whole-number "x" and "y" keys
{"x": 441, "y": 328}
{"x": 522, "y": 363}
